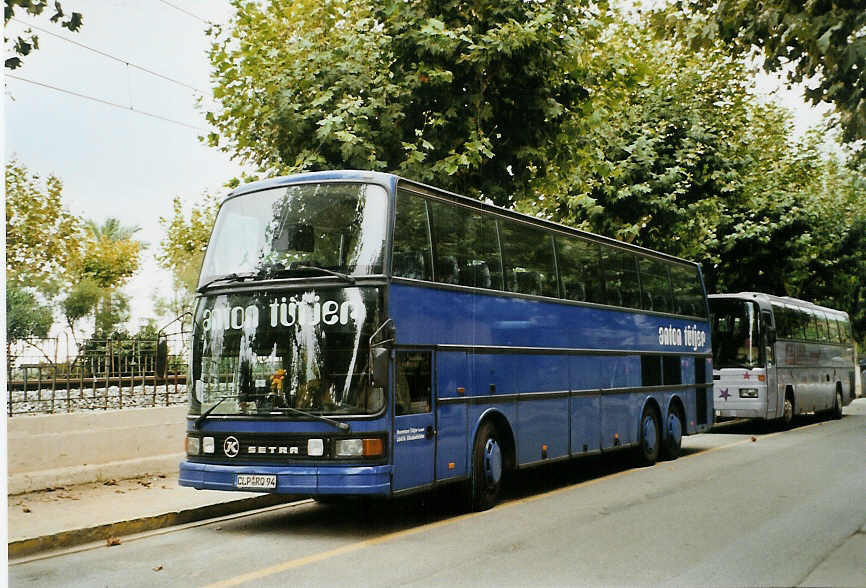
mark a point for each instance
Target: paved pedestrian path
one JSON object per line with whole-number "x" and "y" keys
{"x": 106, "y": 511}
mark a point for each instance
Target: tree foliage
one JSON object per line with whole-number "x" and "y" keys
{"x": 110, "y": 257}
{"x": 183, "y": 246}
{"x": 26, "y": 317}
{"x": 41, "y": 234}
{"x": 557, "y": 111}
{"x": 182, "y": 251}
{"x": 820, "y": 44}
{"x": 469, "y": 94}
{"x": 23, "y": 45}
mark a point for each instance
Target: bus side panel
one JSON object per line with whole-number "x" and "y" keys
{"x": 587, "y": 374}
{"x": 542, "y": 423}
{"x": 620, "y": 412}
{"x": 452, "y": 372}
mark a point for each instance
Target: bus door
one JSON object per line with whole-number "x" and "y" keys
{"x": 774, "y": 408}
{"x": 414, "y": 420}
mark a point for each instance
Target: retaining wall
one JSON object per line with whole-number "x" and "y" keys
{"x": 47, "y": 451}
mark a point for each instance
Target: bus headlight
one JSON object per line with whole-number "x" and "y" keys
{"x": 315, "y": 447}
{"x": 359, "y": 447}
{"x": 748, "y": 392}
{"x": 207, "y": 445}
{"x": 193, "y": 445}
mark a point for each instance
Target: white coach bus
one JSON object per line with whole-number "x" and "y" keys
{"x": 777, "y": 357}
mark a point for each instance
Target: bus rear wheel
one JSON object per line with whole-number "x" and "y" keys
{"x": 487, "y": 469}
{"x": 673, "y": 437}
{"x": 787, "y": 412}
{"x": 837, "y": 407}
{"x": 650, "y": 437}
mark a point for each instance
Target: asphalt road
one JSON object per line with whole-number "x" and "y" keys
{"x": 744, "y": 505}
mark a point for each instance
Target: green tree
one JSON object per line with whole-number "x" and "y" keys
{"x": 23, "y": 45}
{"x": 182, "y": 251}
{"x": 26, "y": 317}
{"x": 110, "y": 257}
{"x": 820, "y": 44}
{"x": 42, "y": 236}
{"x": 469, "y": 94}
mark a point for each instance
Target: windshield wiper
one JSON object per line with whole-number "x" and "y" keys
{"x": 233, "y": 277}
{"x": 340, "y": 425}
{"x": 205, "y": 414}
{"x": 342, "y": 276}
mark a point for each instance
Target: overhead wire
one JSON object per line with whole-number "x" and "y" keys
{"x": 110, "y": 56}
{"x": 129, "y": 108}
{"x": 187, "y": 12}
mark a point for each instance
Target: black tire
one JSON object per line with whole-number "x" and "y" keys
{"x": 673, "y": 435}
{"x": 650, "y": 437}
{"x": 787, "y": 418}
{"x": 486, "y": 481}
{"x": 837, "y": 407}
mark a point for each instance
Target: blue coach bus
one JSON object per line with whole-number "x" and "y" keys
{"x": 358, "y": 333}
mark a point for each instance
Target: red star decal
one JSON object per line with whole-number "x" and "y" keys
{"x": 746, "y": 375}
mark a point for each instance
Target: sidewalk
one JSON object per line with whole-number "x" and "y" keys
{"x": 102, "y": 511}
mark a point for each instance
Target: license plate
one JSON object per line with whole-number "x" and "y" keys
{"x": 256, "y": 481}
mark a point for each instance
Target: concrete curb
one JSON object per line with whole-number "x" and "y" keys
{"x": 64, "y": 539}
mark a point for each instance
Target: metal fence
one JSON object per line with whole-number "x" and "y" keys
{"x": 101, "y": 375}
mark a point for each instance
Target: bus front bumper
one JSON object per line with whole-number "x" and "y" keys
{"x": 301, "y": 480}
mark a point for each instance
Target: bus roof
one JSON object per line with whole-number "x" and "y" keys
{"x": 779, "y": 300}
{"x": 390, "y": 181}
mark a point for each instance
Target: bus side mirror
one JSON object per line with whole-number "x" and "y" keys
{"x": 379, "y": 366}
{"x": 771, "y": 335}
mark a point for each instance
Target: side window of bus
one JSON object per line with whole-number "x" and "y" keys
{"x": 465, "y": 247}
{"x": 414, "y": 388}
{"x": 655, "y": 285}
{"x": 527, "y": 258}
{"x": 782, "y": 323}
{"x": 766, "y": 323}
{"x": 412, "y": 257}
{"x": 811, "y": 327}
{"x": 821, "y": 321}
{"x": 688, "y": 293}
{"x": 579, "y": 269}
{"x": 800, "y": 320}
{"x": 621, "y": 284}
{"x": 832, "y": 333}
{"x": 845, "y": 327}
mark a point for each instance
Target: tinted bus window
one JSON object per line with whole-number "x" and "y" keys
{"x": 655, "y": 283}
{"x": 832, "y": 333}
{"x": 783, "y": 325}
{"x": 688, "y": 293}
{"x": 527, "y": 257}
{"x": 412, "y": 256}
{"x": 621, "y": 284}
{"x": 811, "y": 327}
{"x": 579, "y": 269}
{"x": 466, "y": 250}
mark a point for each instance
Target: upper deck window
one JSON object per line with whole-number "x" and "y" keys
{"x": 334, "y": 226}
{"x": 452, "y": 244}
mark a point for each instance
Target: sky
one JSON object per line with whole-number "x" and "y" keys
{"x": 113, "y": 161}
{"x": 118, "y": 161}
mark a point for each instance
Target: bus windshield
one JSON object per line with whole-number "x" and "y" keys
{"x": 276, "y": 353}
{"x": 735, "y": 334}
{"x": 329, "y": 226}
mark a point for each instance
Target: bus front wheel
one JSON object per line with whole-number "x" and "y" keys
{"x": 650, "y": 437}
{"x": 487, "y": 468}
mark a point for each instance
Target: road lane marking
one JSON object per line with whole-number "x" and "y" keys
{"x": 357, "y": 546}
